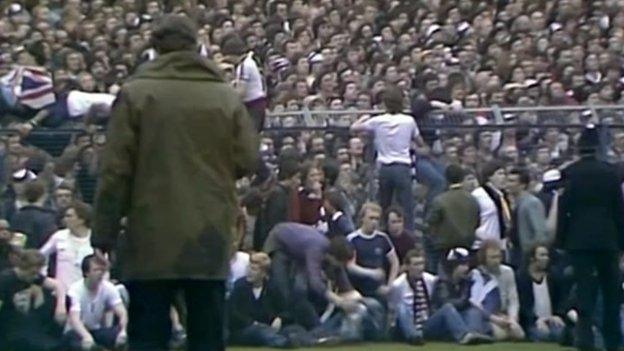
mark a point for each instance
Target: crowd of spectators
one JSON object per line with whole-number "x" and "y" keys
{"x": 310, "y": 210}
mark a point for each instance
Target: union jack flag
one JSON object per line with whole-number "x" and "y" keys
{"x": 31, "y": 86}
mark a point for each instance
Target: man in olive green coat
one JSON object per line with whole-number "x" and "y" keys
{"x": 453, "y": 217}
{"x": 178, "y": 139}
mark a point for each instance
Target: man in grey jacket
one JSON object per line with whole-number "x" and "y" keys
{"x": 529, "y": 216}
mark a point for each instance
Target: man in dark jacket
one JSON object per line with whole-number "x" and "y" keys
{"x": 256, "y": 307}
{"x": 453, "y": 217}
{"x": 33, "y": 220}
{"x": 540, "y": 293}
{"x": 178, "y": 138}
{"x": 591, "y": 229}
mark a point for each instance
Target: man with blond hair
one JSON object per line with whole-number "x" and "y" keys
{"x": 376, "y": 263}
{"x": 256, "y": 307}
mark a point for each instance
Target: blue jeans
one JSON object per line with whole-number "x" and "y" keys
{"x": 396, "y": 180}
{"x": 477, "y": 321}
{"x": 365, "y": 324}
{"x": 260, "y": 335}
{"x": 431, "y": 174}
{"x": 444, "y": 324}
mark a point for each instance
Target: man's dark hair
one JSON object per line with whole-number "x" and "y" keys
{"x": 413, "y": 253}
{"x": 398, "y": 211}
{"x": 454, "y": 174}
{"x": 87, "y": 262}
{"x": 489, "y": 169}
{"x": 393, "y": 99}
{"x": 288, "y": 168}
{"x": 174, "y": 32}
{"x": 83, "y": 211}
{"x": 233, "y": 45}
{"x": 335, "y": 199}
{"x": 523, "y": 175}
{"x": 340, "y": 249}
{"x": 33, "y": 191}
{"x": 530, "y": 255}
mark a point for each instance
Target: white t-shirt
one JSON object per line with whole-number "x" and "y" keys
{"x": 393, "y": 137}
{"x": 93, "y": 306}
{"x": 490, "y": 226}
{"x": 79, "y": 102}
{"x": 249, "y": 73}
{"x": 70, "y": 251}
{"x": 543, "y": 305}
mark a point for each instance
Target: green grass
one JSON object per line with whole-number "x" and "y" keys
{"x": 431, "y": 347}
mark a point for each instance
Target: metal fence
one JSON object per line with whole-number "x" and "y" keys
{"x": 469, "y": 118}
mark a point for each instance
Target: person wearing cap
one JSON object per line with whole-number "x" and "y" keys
{"x": 178, "y": 139}
{"x": 541, "y": 293}
{"x": 453, "y": 287}
{"x": 16, "y": 198}
{"x": 591, "y": 229}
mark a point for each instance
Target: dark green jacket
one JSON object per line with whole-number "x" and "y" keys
{"x": 178, "y": 139}
{"x": 453, "y": 218}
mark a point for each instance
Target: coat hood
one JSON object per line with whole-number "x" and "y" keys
{"x": 183, "y": 65}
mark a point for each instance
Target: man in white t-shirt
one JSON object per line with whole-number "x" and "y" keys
{"x": 248, "y": 79}
{"x": 91, "y": 298}
{"x": 394, "y": 133}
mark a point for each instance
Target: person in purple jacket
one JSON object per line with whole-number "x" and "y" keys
{"x": 299, "y": 254}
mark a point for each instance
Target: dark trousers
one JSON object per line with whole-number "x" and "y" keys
{"x": 605, "y": 265}
{"x": 395, "y": 180}
{"x": 257, "y": 112}
{"x": 149, "y": 326}
{"x": 105, "y": 337}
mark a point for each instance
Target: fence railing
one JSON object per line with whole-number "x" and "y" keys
{"x": 469, "y": 118}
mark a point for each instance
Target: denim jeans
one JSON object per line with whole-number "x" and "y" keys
{"x": 431, "y": 174}
{"x": 260, "y": 335}
{"x": 367, "y": 323}
{"x": 395, "y": 180}
{"x": 477, "y": 321}
{"x": 444, "y": 324}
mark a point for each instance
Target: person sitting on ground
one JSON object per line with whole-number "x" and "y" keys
{"x": 494, "y": 292}
{"x": 28, "y": 300}
{"x": 540, "y": 293}
{"x": 453, "y": 286}
{"x": 401, "y": 239}
{"x": 91, "y": 299}
{"x": 257, "y": 307}
{"x": 411, "y": 310}
{"x": 375, "y": 257}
